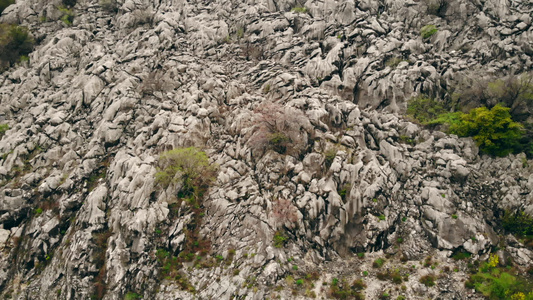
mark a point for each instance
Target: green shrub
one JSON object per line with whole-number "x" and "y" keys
{"x": 15, "y": 41}
{"x": 280, "y": 239}
{"x": 428, "y": 280}
{"x": 497, "y": 284}
{"x": 132, "y": 296}
{"x": 4, "y": 4}
{"x": 517, "y": 223}
{"x": 378, "y": 263}
{"x": 3, "y": 129}
{"x": 493, "y": 130}
{"x": 424, "y": 109}
{"x": 428, "y": 30}
{"x": 68, "y": 15}
{"x": 341, "y": 289}
{"x": 188, "y": 166}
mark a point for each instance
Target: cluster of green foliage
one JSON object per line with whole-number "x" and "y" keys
{"x": 15, "y": 41}
{"x": 518, "y": 223}
{"x": 461, "y": 255}
{"x": 341, "y": 289}
{"x": 498, "y": 283}
{"x": 189, "y": 170}
{"x": 3, "y": 129}
{"x": 513, "y": 91}
{"x": 170, "y": 269}
{"x": 424, "y": 109}
{"x": 279, "y": 141}
{"x": 132, "y": 296}
{"x": 494, "y": 131}
{"x": 280, "y": 239}
{"x": 299, "y": 9}
{"x": 378, "y": 263}
{"x": 188, "y": 166}
{"x": 427, "y": 31}
{"x": 4, "y": 4}
{"x": 428, "y": 280}
{"x": 67, "y": 15}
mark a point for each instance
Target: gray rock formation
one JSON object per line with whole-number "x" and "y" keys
{"x": 81, "y": 215}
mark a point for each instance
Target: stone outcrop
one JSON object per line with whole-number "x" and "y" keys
{"x": 81, "y": 215}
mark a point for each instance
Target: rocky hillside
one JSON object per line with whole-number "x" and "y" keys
{"x": 322, "y": 187}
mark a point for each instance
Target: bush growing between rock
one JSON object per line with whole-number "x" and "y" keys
{"x": 428, "y": 280}
{"x": 280, "y": 239}
{"x": 427, "y": 31}
{"x": 285, "y": 213}
{"x": 3, "y": 129}
{"x": 278, "y": 128}
{"x": 493, "y": 130}
{"x": 188, "y": 166}
{"x": 68, "y": 15}
{"x": 424, "y": 109}
{"x": 15, "y": 41}
{"x": 517, "y": 223}
{"x": 497, "y": 283}
{"x": 515, "y": 92}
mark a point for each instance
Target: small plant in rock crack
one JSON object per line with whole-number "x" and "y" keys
{"x": 378, "y": 263}
{"x": 3, "y": 129}
{"x": 299, "y": 9}
{"x": 428, "y": 30}
{"x": 280, "y": 239}
{"x": 68, "y": 15}
{"x": 285, "y": 130}
{"x": 428, "y": 280}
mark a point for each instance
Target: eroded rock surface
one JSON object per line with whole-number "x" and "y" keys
{"x": 81, "y": 215}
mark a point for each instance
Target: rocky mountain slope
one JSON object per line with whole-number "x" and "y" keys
{"x": 112, "y": 85}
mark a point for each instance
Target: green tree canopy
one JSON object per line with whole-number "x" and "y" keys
{"x": 493, "y": 130}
